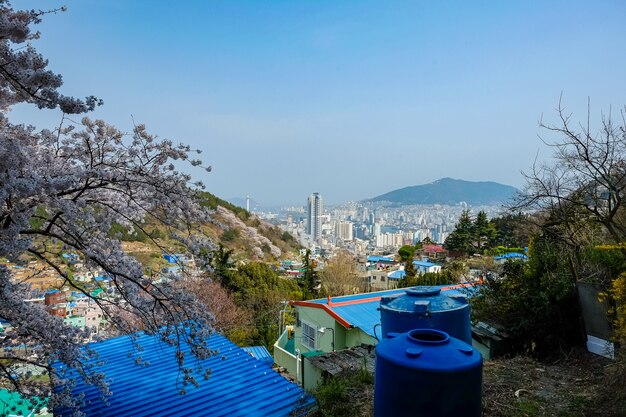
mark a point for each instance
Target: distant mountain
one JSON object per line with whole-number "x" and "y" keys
{"x": 450, "y": 191}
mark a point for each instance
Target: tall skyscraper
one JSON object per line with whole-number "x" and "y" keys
{"x": 315, "y": 212}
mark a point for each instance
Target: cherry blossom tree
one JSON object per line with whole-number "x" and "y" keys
{"x": 24, "y": 73}
{"x": 62, "y": 190}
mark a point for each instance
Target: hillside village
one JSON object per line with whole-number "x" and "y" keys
{"x": 128, "y": 289}
{"x": 326, "y": 338}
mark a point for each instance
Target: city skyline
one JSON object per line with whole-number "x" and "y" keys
{"x": 376, "y": 96}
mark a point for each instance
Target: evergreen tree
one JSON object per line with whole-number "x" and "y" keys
{"x": 220, "y": 261}
{"x": 484, "y": 232}
{"x": 461, "y": 239}
{"x": 409, "y": 268}
{"x": 310, "y": 280}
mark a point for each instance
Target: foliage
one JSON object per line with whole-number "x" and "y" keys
{"x": 409, "y": 269}
{"x": 462, "y": 237}
{"x": 535, "y": 302}
{"x": 231, "y": 319}
{"x": 429, "y": 278}
{"x": 471, "y": 237}
{"x": 212, "y": 201}
{"x": 24, "y": 77}
{"x": 64, "y": 190}
{"x": 586, "y": 179}
{"x": 258, "y": 290}
{"x": 249, "y": 234}
{"x": 340, "y": 276}
{"x": 336, "y": 395}
{"x": 221, "y": 263}
{"x": 426, "y": 241}
{"x": 455, "y": 270}
{"x": 616, "y": 297}
{"x": 309, "y": 281}
{"x": 406, "y": 252}
{"x": 125, "y": 234}
{"x": 617, "y": 292}
{"x": 502, "y": 250}
{"x": 230, "y": 234}
{"x": 611, "y": 258}
{"x": 333, "y": 398}
{"x": 263, "y": 293}
{"x": 484, "y": 231}
{"x": 513, "y": 230}
{"x": 579, "y": 199}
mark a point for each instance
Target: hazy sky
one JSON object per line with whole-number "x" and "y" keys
{"x": 347, "y": 98}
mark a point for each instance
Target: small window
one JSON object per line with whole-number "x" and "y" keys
{"x": 308, "y": 336}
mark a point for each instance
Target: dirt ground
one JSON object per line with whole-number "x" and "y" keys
{"x": 580, "y": 384}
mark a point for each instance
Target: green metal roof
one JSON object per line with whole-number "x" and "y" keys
{"x": 13, "y": 404}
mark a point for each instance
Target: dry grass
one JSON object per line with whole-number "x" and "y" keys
{"x": 523, "y": 387}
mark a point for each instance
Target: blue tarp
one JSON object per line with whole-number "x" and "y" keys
{"x": 170, "y": 258}
{"x": 397, "y": 274}
{"x": 512, "y": 255}
{"x": 99, "y": 279}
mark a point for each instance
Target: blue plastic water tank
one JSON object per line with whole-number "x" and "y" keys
{"x": 426, "y": 308}
{"x": 427, "y": 373}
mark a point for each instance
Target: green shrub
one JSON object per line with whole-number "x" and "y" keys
{"x": 338, "y": 396}
{"x": 535, "y": 302}
{"x": 230, "y": 234}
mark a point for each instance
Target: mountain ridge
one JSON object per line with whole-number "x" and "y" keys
{"x": 450, "y": 191}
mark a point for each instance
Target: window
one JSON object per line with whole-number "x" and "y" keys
{"x": 308, "y": 336}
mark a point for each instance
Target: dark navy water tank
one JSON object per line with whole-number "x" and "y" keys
{"x": 427, "y": 373}
{"x": 426, "y": 308}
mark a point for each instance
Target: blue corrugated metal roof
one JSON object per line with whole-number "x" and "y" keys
{"x": 261, "y": 353}
{"x": 239, "y": 385}
{"x": 359, "y": 297}
{"x": 361, "y": 310}
{"x": 425, "y": 264}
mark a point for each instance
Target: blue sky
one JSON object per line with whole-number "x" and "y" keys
{"x": 349, "y": 99}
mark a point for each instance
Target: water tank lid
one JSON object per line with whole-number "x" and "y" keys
{"x": 420, "y": 300}
{"x": 423, "y": 291}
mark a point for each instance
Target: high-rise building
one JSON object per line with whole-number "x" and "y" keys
{"x": 315, "y": 212}
{"x": 344, "y": 230}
